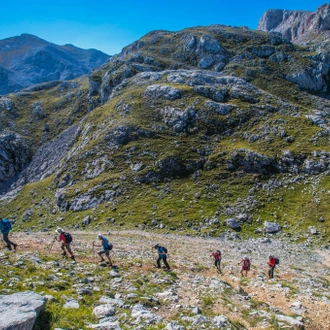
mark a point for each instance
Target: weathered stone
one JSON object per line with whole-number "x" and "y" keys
{"x": 19, "y": 310}
{"x": 104, "y": 311}
{"x": 272, "y": 227}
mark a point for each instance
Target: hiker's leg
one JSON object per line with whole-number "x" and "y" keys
{"x": 69, "y": 250}
{"x": 62, "y": 247}
{"x": 158, "y": 262}
{"x": 166, "y": 264}
{"x": 100, "y": 254}
{"x": 107, "y": 253}
{"x": 6, "y": 240}
{"x": 241, "y": 272}
{"x": 272, "y": 272}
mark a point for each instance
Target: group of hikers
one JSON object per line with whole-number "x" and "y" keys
{"x": 65, "y": 238}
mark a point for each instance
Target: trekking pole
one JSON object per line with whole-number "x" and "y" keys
{"x": 52, "y": 244}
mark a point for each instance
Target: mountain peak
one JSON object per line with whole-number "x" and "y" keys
{"x": 298, "y": 26}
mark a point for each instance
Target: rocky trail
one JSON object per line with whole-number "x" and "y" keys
{"x": 193, "y": 295}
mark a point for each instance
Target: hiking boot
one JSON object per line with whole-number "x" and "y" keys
{"x": 9, "y": 247}
{"x": 15, "y": 246}
{"x": 72, "y": 257}
{"x": 64, "y": 254}
{"x": 102, "y": 260}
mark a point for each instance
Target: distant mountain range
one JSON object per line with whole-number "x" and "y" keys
{"x": 26, "y": 60}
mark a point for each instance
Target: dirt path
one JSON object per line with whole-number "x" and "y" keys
{"x": 190, "y": 256}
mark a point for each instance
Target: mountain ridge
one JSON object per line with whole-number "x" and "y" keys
{"x": 298, "y": 26}
{"x": 29, "y": 60}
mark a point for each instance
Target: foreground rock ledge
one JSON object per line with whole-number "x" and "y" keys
{"x": 19, "y": 311}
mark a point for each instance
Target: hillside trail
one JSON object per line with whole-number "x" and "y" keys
{"x": 302, "y": 276}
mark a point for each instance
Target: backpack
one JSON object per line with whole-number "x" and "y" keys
{"x": 67, "y": 237}
{"x": 6, "y": 225}
{"x": 110, "y": 246}
{"x": 277, "y": 261}
{"x": 164, "y": 248}
{"x": 218, "y": 252}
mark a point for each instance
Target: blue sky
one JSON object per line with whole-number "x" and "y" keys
{"x": 111, "y": 25}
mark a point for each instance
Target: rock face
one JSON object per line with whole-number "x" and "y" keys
{"x": 296, "y": 25}
{"x": 27, "y": 60}
{"x": 20, "y": 310}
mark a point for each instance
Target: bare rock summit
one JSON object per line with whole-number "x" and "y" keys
{"x": 298, "y": 26}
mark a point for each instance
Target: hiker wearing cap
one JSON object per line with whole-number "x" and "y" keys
{"x": 66, "y": 240}
{"x": 106, "y": 248}
{"x": 246, "y": 263}
{"x": 5, "y": 228}
{"x": 162, "y": 255}
{"x": 217, "y": 258}
{"x": 271, "y": 263}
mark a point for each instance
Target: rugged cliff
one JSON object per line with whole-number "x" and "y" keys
{"x": 298, "y": 26}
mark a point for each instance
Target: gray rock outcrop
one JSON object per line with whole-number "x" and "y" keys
{"x": 19, "y": 311}
{"x": 296, "y": 25}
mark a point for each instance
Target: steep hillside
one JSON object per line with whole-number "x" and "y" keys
{"x": 207, "y": 131}
{"x": 27, "y": 60}
{"x": 298, "y": 26}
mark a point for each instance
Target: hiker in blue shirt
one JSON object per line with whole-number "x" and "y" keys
{"x": 106, "y": 248}
{"x": 162, "y": 255}
{"x": 5, "y": 228}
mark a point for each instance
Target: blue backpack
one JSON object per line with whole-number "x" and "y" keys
{"x": 6, "y": 225}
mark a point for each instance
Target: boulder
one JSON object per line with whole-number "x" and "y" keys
{"x": 104, "y": 311}
{"x": 20, "y": 310}
{"x": 272, "y": 227}
{"x": 233, "y": 224}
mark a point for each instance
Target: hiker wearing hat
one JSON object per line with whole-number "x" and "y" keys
{"x": 162, "y": 255}
{"x": 106, "y": 248}
{"x": 246, "y": 263}
{"x": 217, "y": 259}
{"x": 66, "y": 240}
{"x": 5, "y": 228}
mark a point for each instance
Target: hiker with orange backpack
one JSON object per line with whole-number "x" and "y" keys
{"x": 5, "y": 228}
{"x": 246, "y": 263}
{"x": 66, "y": 240}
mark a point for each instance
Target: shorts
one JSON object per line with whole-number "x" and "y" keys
{"x": 105, "y": 251}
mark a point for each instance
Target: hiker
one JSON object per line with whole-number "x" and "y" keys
{"x": 246, "y": 263}
{"x": 271, "y": 263}
{"x": 66, "y": 239}
{"x": 5, "y": 228}
{"x": 162, "y": 255}
{"x": 217, "y": 258}
{"x": 106, "y": 248}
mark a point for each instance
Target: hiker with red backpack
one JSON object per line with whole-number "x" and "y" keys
{"x": 162, "y": 255}
{"x": 66, "y": 240}
{"x": 5, "y": 228}
{"x": 217, "y": 259}
{"x": 246, "y": 263}
{"x": 272, "y": 262}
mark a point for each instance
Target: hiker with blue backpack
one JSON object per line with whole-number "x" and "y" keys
{"x": 66, "y": 240}
{"x": 162, "y": 255}
{"x": 5, "y": 228}
{"x": 106, "y": 248}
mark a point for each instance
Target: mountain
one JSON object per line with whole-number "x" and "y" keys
{"x": 298, "y": 26}
{"x": 27, "y": 60}
{"x": 212, "y": 131}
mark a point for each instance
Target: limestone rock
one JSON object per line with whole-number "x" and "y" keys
{"x": 19, "y": 310}
{"x": 272, "y": 227}
{"x": 296, "y": 26}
